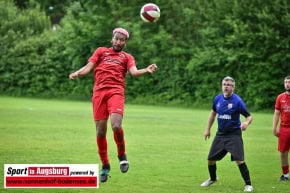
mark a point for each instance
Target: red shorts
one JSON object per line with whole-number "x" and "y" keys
{"x": 284, "y": 139}
{"x": 107, "y": 101}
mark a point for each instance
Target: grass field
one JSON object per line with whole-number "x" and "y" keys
{"x": 165, "y": 147}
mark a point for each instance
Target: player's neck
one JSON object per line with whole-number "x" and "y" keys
{"x": 226, "y": 96}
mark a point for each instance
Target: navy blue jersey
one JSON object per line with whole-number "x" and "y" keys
{"x": 228, "y": 113}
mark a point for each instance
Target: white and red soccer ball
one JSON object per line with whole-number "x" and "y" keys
{"x": 150, "y": 12}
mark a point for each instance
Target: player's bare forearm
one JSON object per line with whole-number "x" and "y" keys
{"x": 211, "y": 119}
{"x": 82, "y": 71}
{"x": 275, "y": 122}
{"x": 136, "y": 73}
{"x": 245, "y": 124}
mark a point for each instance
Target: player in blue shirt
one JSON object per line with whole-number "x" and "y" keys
{"x": 228, "y": 107}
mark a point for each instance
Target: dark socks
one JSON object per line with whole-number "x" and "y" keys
{"x": 212, "y": 172}
{"x": 245, "y": 173}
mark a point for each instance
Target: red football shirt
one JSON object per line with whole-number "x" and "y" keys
{"x": 283, "y": 105}
{"x": 110, "y": 67}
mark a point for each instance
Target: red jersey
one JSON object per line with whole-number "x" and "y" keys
{"x": 110, "y": 67}
{"x": 283, "y": 105}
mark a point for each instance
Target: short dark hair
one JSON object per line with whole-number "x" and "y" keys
{"x": 227, "y": 78}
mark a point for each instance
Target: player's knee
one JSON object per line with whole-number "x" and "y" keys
{"x": 101, "y": 132}
{"x": 116, "y": 125}
{"x": 210, "y": 162}
{"x": 240, "y": 162}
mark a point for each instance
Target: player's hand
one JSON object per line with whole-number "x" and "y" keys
{"x": 73, "y": 75}
{"x": 206, "y": 134}
{"x": 244, "y": 126}
{"x": 152, "y": 68}
{"x": 275, "y": 133}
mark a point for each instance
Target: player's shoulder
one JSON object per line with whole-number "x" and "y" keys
{"x": 103, "y": 49}
{"x": 100, "y": 50}
{"x": 218, "y": 97}
{"x": 128, "y": 56}
{"x": 237, "y": 97}
{"x": 282, "y": 95}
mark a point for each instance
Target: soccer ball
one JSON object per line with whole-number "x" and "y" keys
{"x": 150, "y": 12}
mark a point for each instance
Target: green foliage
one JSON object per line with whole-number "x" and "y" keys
{"x": 22, "y": 48}
{"x": 194, "y": 48}
{"x": 247, "y": 40}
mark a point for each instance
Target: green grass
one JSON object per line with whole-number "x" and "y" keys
{"x": 165, "y": 147}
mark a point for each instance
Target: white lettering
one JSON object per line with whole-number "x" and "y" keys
{"x": 227, "y": 117}
{"x": 51, "y": 171}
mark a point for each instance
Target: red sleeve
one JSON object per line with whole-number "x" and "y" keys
{"x": 96, "y": 56}
{"x": 130, "y": 62}
{"x": 277, "y": 104}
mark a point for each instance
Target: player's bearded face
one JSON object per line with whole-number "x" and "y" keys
{"x": 227, "y": 88}
{"x": 118, "y": 41}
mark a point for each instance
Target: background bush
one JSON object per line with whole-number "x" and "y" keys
{"x": 195, "y": 44}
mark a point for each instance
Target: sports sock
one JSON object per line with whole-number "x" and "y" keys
{"x": 285, "y": 170}
{"x": 212, "y": 172}
{"x": 102, "y": 149}
{"x": 245, "y": 173}
{"x": 120, "y": 142}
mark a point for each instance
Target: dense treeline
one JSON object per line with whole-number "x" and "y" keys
{"x": 195, "y": 44}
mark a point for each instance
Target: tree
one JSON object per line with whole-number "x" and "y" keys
{"x": 17, "y": 27}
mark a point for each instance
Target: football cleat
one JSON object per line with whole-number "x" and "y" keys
{"x": 124, "y": 164}
{"x": 283, "y": 178}
{"x": 248, "y": 188}
{"x": 104, "y": 174}
{"x": 208, "y": 182}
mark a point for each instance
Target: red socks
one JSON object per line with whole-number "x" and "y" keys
{"x": 120, "y": 142}
{"x": 285, "y": 169}
{"x": 102, "y": 146}
{"x": 102, "y": 149}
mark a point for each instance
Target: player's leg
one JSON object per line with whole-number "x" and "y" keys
{"x": 283, "y": 147}
{"x": 116, "y": 121}
{"x": 236, "y": 147}
{"x": 217, "y": 152}
{"x": 101, "y": 130}
{"x": 101, "y": 117}
{"x": 284, "y": 166}
{"x": 212, "y": 170}
{"x": 116, "y": 109}
{"x": 245, "y": 175}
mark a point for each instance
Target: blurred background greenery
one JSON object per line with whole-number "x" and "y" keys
{"x": 195, "y": 44}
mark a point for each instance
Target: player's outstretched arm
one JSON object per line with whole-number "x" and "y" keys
{"x": 211, "y": 119}
{"x": 83, "y": 71}
{"x": 139, "y": 72}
